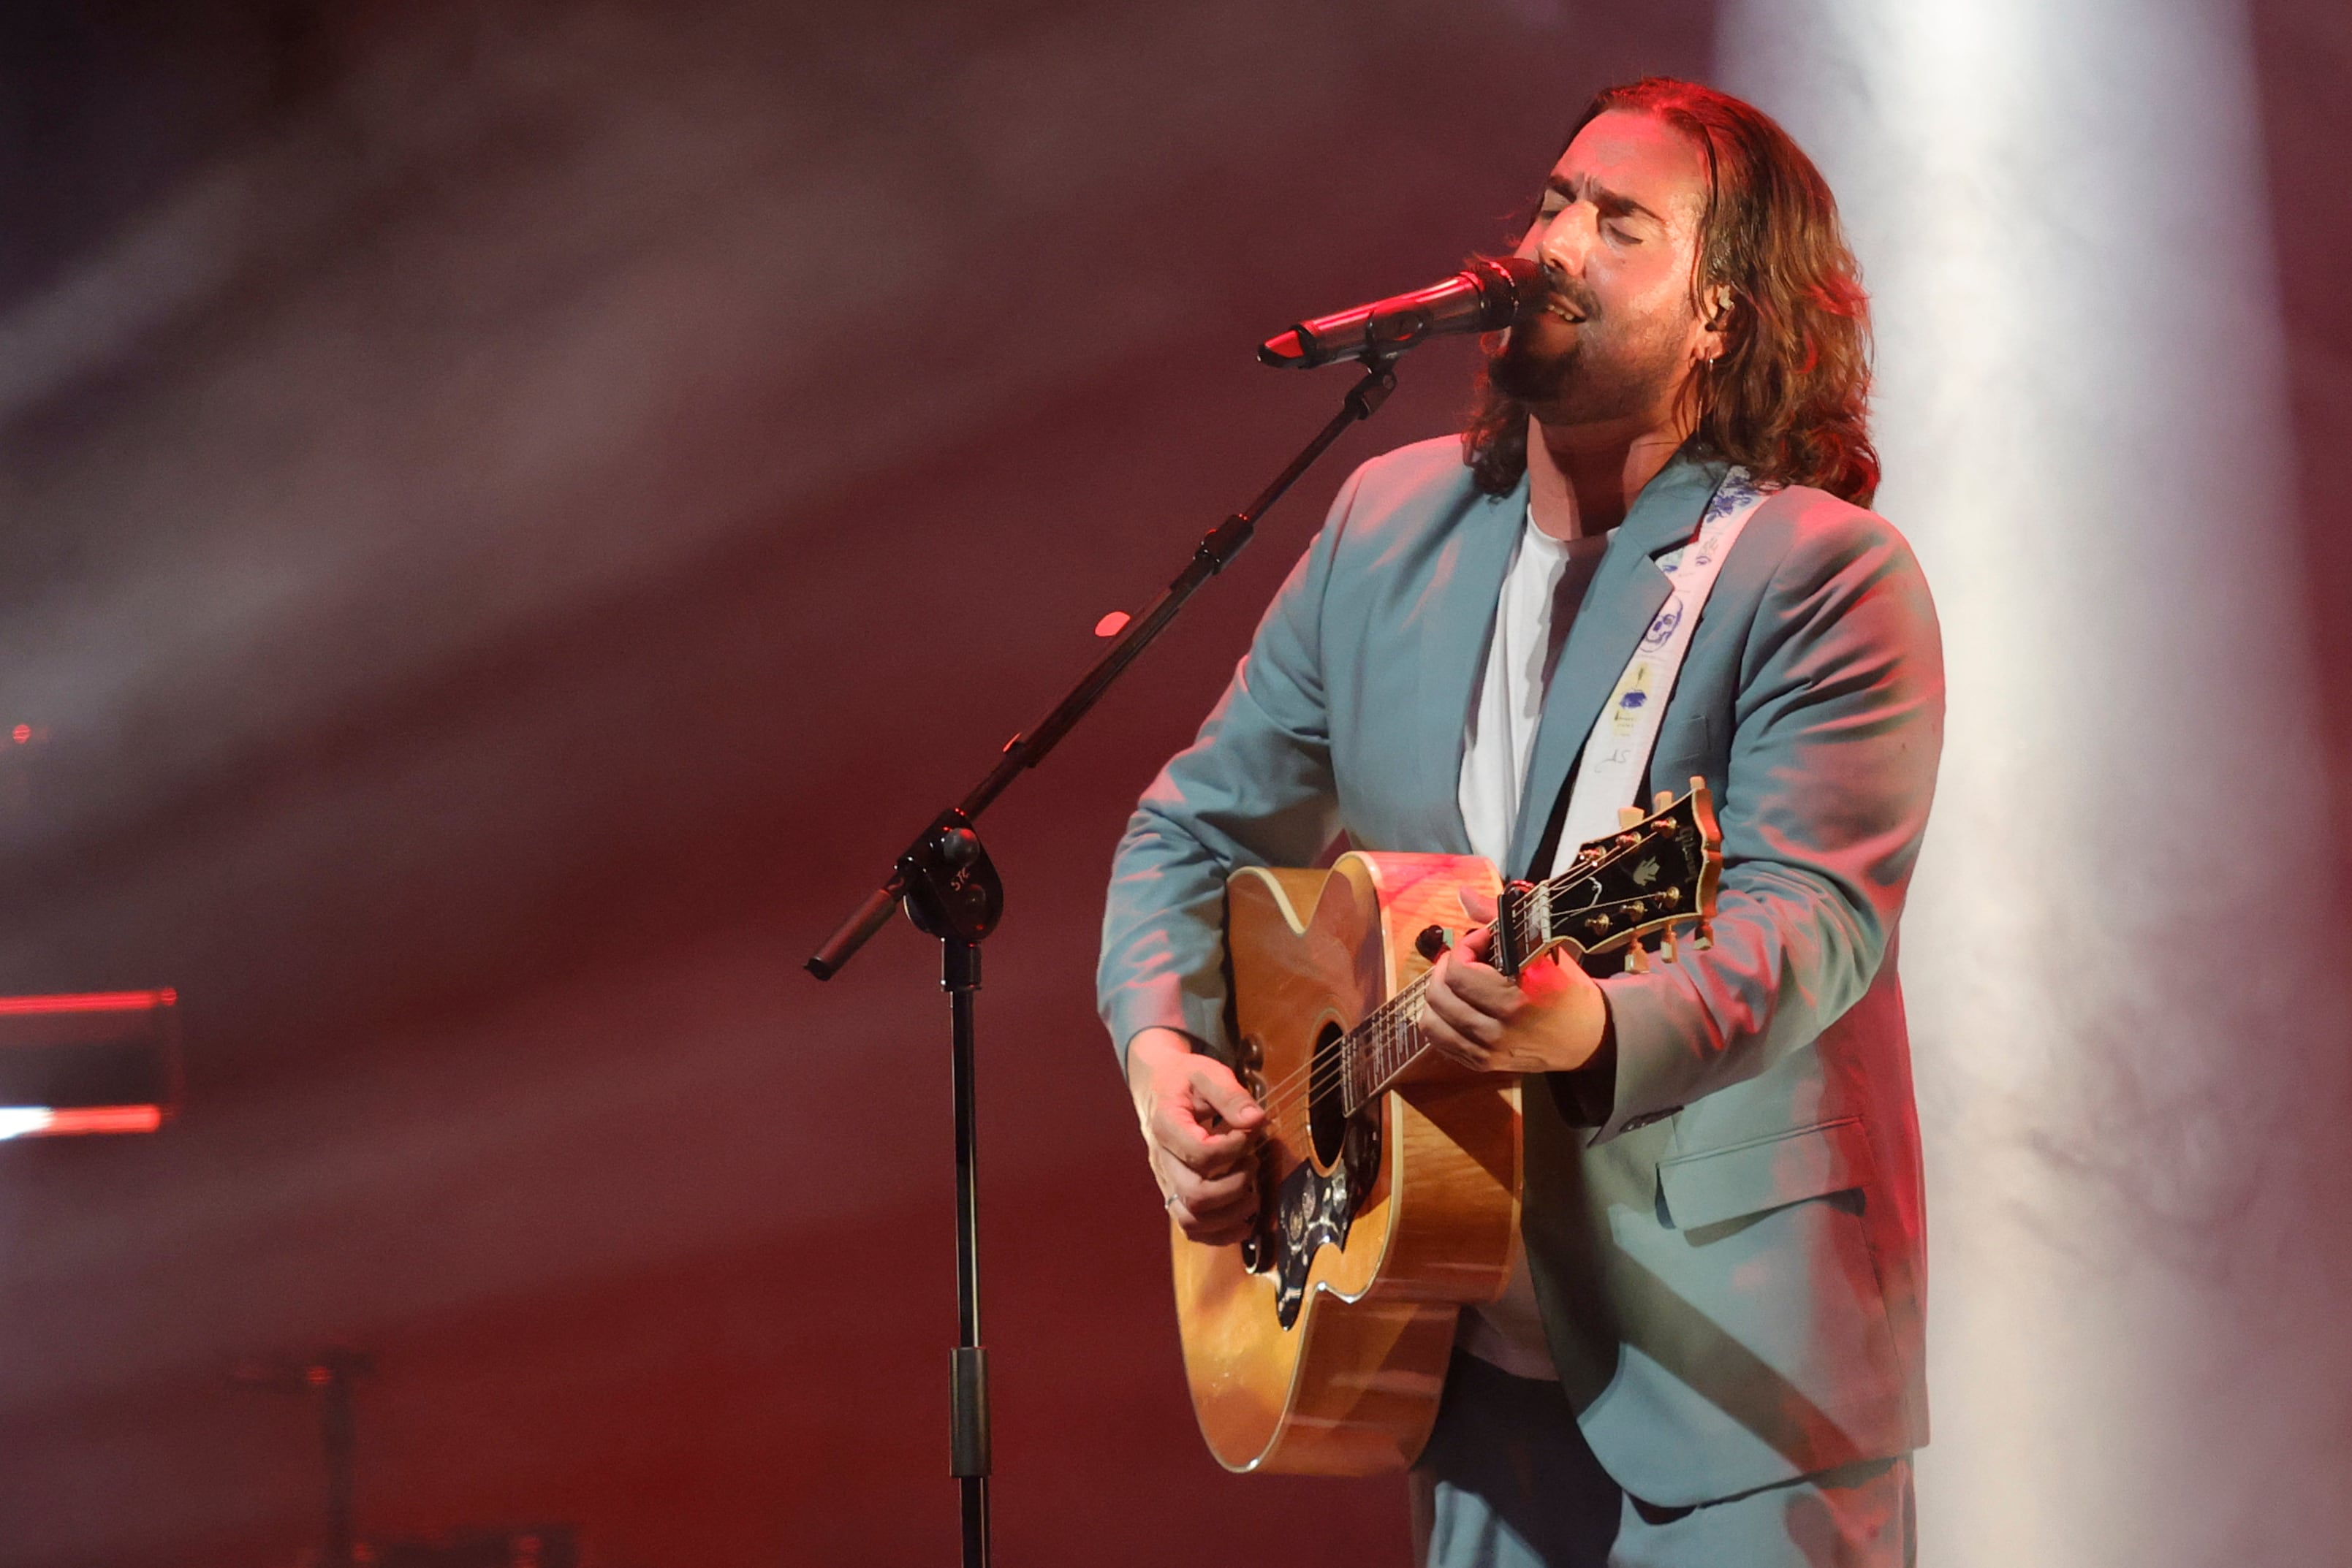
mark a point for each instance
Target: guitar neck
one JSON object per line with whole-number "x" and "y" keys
{"x": 1376, "y": 1052}
{"x": 1655, "y": 872}
{"x": 1389, "y": 1041}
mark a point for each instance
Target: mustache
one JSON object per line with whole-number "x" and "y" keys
{"x": 1570, "y": 292}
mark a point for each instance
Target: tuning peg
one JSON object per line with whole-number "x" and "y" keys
{"x": 1629, "y": 816}
{"x": 1637, "y": 957}
{"x": 1665, "y": 799}
{"x": 1666, "y": 945}
{"x": 1703, "y": 936}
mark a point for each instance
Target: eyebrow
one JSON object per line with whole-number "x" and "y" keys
{"x": 1612, "y": 204}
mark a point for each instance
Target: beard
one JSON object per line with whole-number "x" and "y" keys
{"x": 1613, "y": 370}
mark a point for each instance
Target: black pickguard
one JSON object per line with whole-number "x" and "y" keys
{"x": 1312, "y": 1209}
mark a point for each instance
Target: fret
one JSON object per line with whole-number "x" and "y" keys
{"x": 1651, "y": 876}
{"x": 1356, "y": 1073}
{"x": 1380, "y": 1046}
{"x": 1387, "y": 1039}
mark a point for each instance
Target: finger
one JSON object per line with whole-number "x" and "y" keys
{"x": 1442, "y": 1032}
{"x": 1187, "y": 1117}
{"x": 1223, "y": 1218}
{"x": 1452, "y": 964}
{"x": 1467, "y": 1019}
{"x": 1549, "y": 977}
{"x": 1214, "y": 1084}
{"x": 1463, "y": 970}
{"x": 1478, "y": 905}
{"x": 1201, "y": 1194}
{"x": 1184, "y": 1126}
{"x": 1236, "y": 1208}
{"x": 1209, "y": 1232}
{"x": 1175, "y": 1132}
{"x": 1451, "y": 1044}
{"x": 1483, "y": 987}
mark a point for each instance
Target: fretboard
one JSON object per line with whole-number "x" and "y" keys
{"x": 1647, "y": 876}
{"x": 1390, "y": 1039}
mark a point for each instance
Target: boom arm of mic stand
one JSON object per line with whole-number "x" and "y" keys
{"x": 1217, "y": 550}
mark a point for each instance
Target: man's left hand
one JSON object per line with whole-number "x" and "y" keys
{"x": 1550, "y": 1020}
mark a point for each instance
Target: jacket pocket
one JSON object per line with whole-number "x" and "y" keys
{"x": 1756, "y": 1342}
{"x": 1716, "y": 1184}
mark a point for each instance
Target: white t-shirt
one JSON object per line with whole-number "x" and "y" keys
{"x": 1541, "y": 594}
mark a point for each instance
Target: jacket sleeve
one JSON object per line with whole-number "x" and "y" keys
{"x": 1254, "y": 789}
{"x": 1837, "y": 726}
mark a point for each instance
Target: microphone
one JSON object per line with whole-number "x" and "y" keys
{"x": 1484, "y": 296}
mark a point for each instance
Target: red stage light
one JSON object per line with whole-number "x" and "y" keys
{"x": 89, "y": 1002}
{"x": 90, "y": 1062}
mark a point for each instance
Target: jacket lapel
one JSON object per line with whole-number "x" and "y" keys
{"x": 1457, "y": 616}
{"x": 1626, "y": 595}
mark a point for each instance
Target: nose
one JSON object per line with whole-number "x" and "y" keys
{"x": 1562, "y": 243}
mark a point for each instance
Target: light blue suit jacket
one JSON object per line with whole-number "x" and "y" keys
{"x": 1730, "y": 1249}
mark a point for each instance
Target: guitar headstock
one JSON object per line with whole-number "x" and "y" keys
{"x": 1625, "y": 892}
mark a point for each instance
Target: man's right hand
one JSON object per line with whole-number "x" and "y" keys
{"x": 1201, "y": 1130}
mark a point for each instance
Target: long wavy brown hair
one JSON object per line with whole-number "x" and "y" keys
{"x": 1790, "y": 395}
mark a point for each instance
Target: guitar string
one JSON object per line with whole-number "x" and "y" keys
{"x": 1283, "y": 1099}
{"x": 1393, "y": 1030}
{"x": 1392, "y": 1009}
{"x": 1344, "y": 1053}
{"x": 1383, "y": 1028}
{"x": 1340, "y": 1060}
{"x": 1290, "y": 1111}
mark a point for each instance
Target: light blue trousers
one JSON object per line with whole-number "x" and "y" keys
{"x": 1507, "y": 1482}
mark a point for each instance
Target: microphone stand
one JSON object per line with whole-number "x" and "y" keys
{"x": 951, "y": 889}
{"x": 330, "y": 1375}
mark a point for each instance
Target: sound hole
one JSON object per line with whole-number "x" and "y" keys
{"x": 1327, "y": 1117}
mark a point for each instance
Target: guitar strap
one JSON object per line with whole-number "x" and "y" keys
{"x": 1617, "y": 753}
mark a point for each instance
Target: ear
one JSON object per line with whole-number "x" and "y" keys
{"x": 1716, "y": 303}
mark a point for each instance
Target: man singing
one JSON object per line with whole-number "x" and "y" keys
{"x": 1710, "y": 1351}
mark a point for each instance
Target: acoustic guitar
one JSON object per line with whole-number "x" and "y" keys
{"x": 1390, "y": 1192}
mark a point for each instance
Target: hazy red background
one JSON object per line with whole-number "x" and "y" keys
{"x": 512, "y": 512}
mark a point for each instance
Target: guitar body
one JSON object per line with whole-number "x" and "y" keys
{"x": 1389, "y": 1182}
{"x": 1412, "y": 1205}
